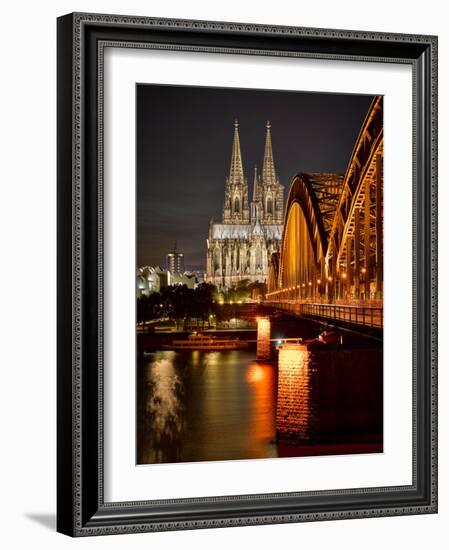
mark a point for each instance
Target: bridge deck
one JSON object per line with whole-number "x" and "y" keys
{"x": 360, "y": 316}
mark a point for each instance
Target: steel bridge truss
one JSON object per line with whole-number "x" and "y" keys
{"x": 333, "y": 228}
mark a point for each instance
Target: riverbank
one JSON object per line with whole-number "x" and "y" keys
{"x": 282, "y": 326}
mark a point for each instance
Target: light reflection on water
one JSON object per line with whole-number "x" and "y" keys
{"x": 205, "y": 406}
{"x": 164, "y": 404}
{"x": 224, "y": 405}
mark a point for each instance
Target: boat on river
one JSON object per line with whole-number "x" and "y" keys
{"x": 197, "y": 341}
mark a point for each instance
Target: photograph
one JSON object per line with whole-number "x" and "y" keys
{"x": 247, "y": 289}
{"x": 259, "y": 274}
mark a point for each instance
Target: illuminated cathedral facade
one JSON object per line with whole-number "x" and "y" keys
{"x": 241, "y": 245}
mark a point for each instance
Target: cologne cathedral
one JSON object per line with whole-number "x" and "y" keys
{"x": 241, "y": 245}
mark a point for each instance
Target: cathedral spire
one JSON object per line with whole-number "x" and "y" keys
{"x": 236, "y": 171}
{"x": 255, "y": 189}
{"x": 268, "y": 171}
{"x": 236, "y": 206}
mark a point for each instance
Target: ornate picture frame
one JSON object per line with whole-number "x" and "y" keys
{"x": 81, "y": 507}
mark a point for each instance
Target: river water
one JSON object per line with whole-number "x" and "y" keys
{"x": 223, "y": 405}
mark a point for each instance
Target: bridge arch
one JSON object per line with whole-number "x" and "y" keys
{"x": 332, "y": 242}
{"x": 304, "y": 242}
{"x": 355, "y": 245}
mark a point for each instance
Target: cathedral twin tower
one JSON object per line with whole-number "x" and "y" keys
{"x": 241, "y": 246}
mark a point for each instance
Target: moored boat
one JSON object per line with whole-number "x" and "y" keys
{"x": 198, "y": 341}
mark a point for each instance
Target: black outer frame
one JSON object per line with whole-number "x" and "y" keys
{"x": 81, "y": 510}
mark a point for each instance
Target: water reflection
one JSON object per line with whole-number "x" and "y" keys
{"x": 261, "y": 419}
{"x": 196, "y": 406}
{"x": 224, "y": 405}
{"x": 164, "y": 407}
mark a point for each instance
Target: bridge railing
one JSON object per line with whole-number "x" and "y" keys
{"x": 353, "y": 315}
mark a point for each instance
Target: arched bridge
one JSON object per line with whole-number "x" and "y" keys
{"x": 332, "y": 244}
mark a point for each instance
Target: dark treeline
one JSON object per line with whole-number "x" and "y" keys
{"x": 179, "y": 303}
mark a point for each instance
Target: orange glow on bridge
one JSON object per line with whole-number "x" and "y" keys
{"x": 332, "y": 243}
{"x": 293, "y": 411}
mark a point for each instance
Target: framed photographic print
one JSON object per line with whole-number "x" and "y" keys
{"x": 247, "y": 282}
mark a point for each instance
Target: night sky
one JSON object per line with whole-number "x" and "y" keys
{"x": 184, "y": 139}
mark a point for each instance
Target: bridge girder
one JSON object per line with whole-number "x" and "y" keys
{"x": 305, "y": 226}
{"x": 343, "y": 219}
{"x": 355, "y": 239}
